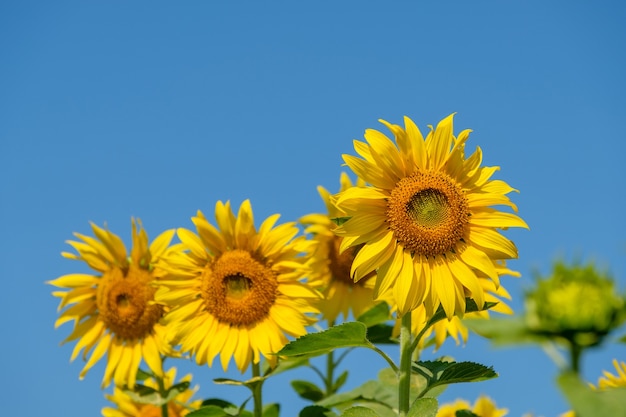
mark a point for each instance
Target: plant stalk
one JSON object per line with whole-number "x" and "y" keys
{"x": 404, "y": 376}
{"x": 257, "y": 391}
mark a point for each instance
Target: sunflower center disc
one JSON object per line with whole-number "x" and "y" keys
{"x": 428, "y": 213}
{"x": 238, "y": 289}
{"x": 123, "y": 302}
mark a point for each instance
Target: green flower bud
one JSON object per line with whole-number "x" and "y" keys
{"x": 577, "y": 303}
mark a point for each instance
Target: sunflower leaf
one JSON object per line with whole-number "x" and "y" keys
{"x": 307, "y": 390}
{"x": 316, "y": 411}
{"x": 505, "y": 331}
{"x": 375, "y": 315}
{"x": 423, "y": 407}
{"x": 209, "y": 411}
{"x": 345, "y": 335}
{"x": 271, "y": 410}
{"x": 340, "y": 381}
{"x": 359, "y": 411}
{"x": 589, "y": 403}
{"x": 439, "y": 373}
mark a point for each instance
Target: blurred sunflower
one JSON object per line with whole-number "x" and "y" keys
{"x": 237, "y": 292}
{"x": 483, "y": 407}
{"x": 179, "y": 406}
{"x": 614, "y": 381}
{"x": 113, "y": 311}
{"x": 330, "y": 268}
{"x": 426, "y": 222}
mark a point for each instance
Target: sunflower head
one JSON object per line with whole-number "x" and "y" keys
{"x": 179, "y": 406}
{"x": 483, "y": 407}
{"x": 236, "y": 291}
{"x": 577, "y": 303}
{"x": 330, "y": 268}
{"x": 427, "y": 221}
{"x": 113, "y": 309}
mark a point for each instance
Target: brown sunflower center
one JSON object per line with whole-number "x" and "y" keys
{"x": 123, "y": 301}
{"x": 238, "y": 289}
{"x": 428, "y": 213}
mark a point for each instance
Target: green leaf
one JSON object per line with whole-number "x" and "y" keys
{"x": 176, "y": 389}
{"x": 589, "y": 403}
{"x": 316, "y": 411}
{"x": 381, "y": 334}
{"x": 340, "y": 220}
{"x": 271, "y": 410}
{"x": 307, "y": 390}
{"x": 359, "y": 411}
{"x": 286, "y": 364}
{"x": 423, "y": 407}
{"x": 375, "y": 315}
{"x": 351, "y": 334}
{"x": 209, "y": 411}
{"x": 442, "y": 373}
{"x": 340, "y": 381}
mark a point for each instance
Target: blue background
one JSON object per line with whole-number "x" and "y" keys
{"x": 156, "y": 109}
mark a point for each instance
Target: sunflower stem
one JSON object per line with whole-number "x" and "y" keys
{"x": 257, "y": 390}
{"x": 404, "y": 375}
{"x": 163, "y": 392}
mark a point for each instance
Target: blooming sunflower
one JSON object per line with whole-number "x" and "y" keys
{"x": 426, "y": 221}
{"x": 330, "y": 268}
{"x": 236, "y": 291}
{"x": 179, "y": 406}
{"x": 113, "y": 311}
{"x": 483, "y": 407}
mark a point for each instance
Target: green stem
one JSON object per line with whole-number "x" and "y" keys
{"x": 164, "y": 408}
{"x": 575, "y": 353}
{"x": 257, "y": 391}
{"x": 404, "y": 378}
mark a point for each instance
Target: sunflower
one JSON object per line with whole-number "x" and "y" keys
{"x": 236, "y": 291}
{"x": 330, "y": 268}
{"x": 179, "y": 406}
{"x": 614, "y": 381}
{"x": 483, "y": 407}
{"x": 113, "y": 311}
{"x": 425, "y": 223}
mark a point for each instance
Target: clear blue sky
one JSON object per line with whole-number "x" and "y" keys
{"x": 156, "y": 109}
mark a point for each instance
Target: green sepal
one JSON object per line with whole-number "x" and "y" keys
{"x": 352, "y": 334}
{"x": 316, "y": 411}
{"x": 340, "y": 220}
{"x": 143, "y": 375}
{"x": 143, "y": 394}
{"x": 307, "y": 390}
{"x": 423, "y": 407}
{"x": 589, "y": 403}
{"x": 465, "y": 413}
{"x": 439, "y": 373}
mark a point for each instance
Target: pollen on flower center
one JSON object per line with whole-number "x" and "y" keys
{"x": 239, "y": 289}
{"x": 123, "y": 301}
{"x": 428, "y": 213}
